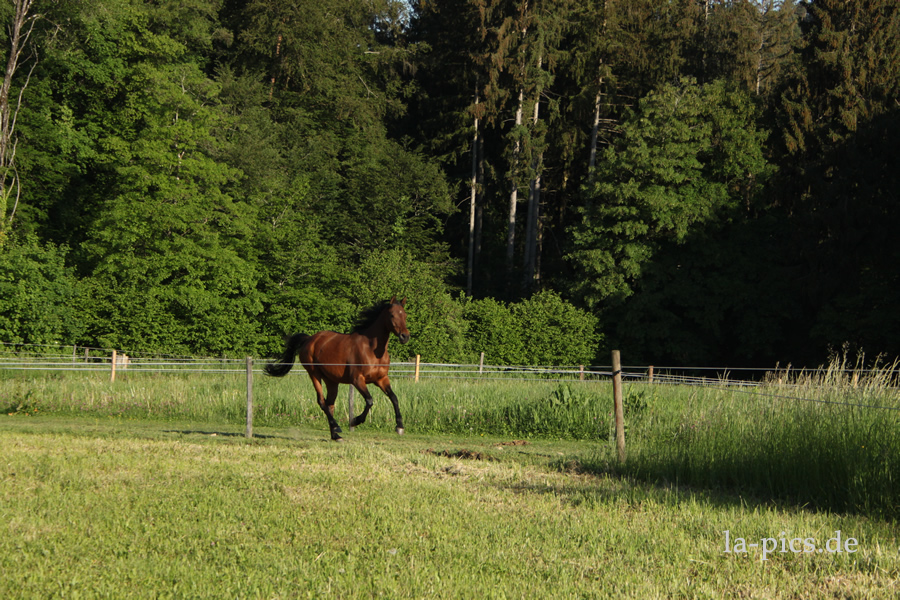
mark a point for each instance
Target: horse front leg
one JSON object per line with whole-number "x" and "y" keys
{"x": 385, "y": 387}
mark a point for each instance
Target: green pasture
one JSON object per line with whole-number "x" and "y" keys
{"x": 146, "y": 487}
{"x": 825, "y": 440}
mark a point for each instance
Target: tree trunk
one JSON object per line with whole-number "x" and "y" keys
{"x": 534, "y": 198}
{"x": 472, "y": 202}
{"x": 595, "y": 130}
{"x": 514, "y": 195}
{"x": 20, "y": 30}
{"x": 277, "y": 56}
{"x": 479, "y": 209}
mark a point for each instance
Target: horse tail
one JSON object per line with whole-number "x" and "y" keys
{"x": 284, "y": 364}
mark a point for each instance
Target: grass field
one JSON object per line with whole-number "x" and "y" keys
{"x": 146, "y": 487}
{"x": 111, "y": 508}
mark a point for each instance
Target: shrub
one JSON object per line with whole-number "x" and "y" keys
{"x": 36, "y": 294}
{"x": 541, "y": 330}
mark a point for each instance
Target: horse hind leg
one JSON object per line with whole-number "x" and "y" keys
{"x": 361, "y": 418}
{"x": 327, "y": 406}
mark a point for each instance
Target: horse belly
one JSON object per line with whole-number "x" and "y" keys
{"x": 376, "y": 373}
{"x": 331, "y": 356}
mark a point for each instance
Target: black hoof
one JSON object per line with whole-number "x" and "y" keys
{"x": 336, "y": 438}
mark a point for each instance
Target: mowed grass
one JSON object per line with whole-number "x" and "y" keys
{"x": 146, "y": 487}
{"x": 118, "y": 507}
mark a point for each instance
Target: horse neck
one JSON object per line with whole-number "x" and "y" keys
{"x": 378, "y": 334}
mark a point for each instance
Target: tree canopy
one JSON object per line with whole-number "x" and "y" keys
{"x": 688, "y": 181}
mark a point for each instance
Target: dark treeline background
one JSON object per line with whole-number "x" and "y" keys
{"x": 692, "y": 181}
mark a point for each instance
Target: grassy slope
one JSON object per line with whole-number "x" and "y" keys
{"x": 108, "y": 508}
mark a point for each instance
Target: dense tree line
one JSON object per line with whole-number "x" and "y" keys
{"x": 690, "y": 180}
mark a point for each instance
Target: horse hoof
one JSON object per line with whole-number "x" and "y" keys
{"x": 399, "y": 431}
{"x": 337, "y": 438}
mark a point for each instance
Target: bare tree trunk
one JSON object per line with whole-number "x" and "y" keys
{"x": 20, "y": 30}
{"x": 595, "y": 130}
{"x": 472, "y": 202}
{"x": 539, "y": 247}
{"x": 278, "y": 56}
{"x": 534, "y": 198}
{"x": 705, "y": 56}
{"x": 479, "y": 209}
{"x": 514, "y": 195}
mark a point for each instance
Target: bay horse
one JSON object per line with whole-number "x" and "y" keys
{"x": 357, "y": 358}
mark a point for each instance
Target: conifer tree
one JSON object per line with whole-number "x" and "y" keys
{"x": 750, "y": 41}
{"x": 839, "y": 111}
{"x": 850, "y": 72}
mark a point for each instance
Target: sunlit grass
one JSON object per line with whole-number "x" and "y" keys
{"x": 115, "y": 508}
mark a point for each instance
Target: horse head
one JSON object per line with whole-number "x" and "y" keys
{"x": 396, "y": 314}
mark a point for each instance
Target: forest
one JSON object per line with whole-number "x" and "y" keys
{"x": 694, "y": 182}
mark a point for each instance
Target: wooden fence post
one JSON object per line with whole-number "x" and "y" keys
{"x": 481, "y": 364}
{"x": 350, "y": 408}
{"x": 650, "y": 374}
{"x": 249, "y": 397}
{"x": 581, "y": 372}
{"x": 112, "y": 372}
{"x": 617, "y": 405}
{"x": 417, "y": 368}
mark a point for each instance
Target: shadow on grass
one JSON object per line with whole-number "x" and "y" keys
{"x": 824, "y": 482}
{"x": 225, "y": 434}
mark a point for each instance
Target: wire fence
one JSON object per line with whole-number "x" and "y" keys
{"x": 754, "y": 381}
{"x": 102, "y": 361}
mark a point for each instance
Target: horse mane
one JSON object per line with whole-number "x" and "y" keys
{"x": 368, "y": 316}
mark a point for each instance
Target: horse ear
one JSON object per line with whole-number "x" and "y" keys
{"x": 403, "y": 302}
{"x": 393, "y": 300}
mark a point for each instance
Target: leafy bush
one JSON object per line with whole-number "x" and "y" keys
{"x": 36, "y": 294}
{"x": 494, "y": 330}
{"x": 542, "y": 330}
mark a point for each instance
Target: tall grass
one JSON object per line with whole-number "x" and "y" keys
{"x": 540, "y": 407}
{"x": 827, "y": 440}
{"x": 144, "y": 395}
